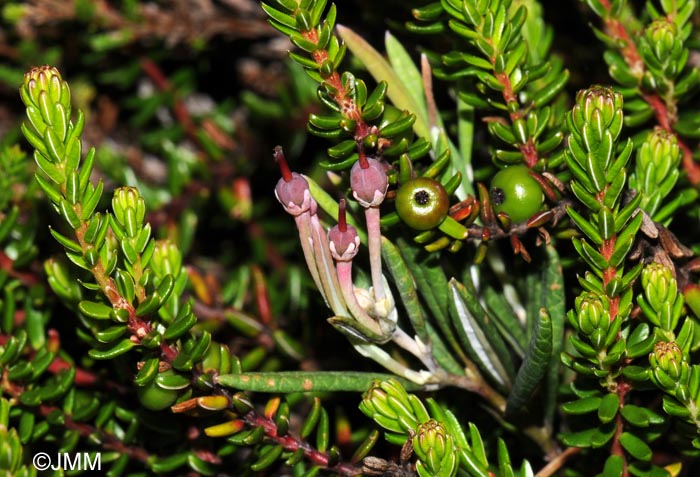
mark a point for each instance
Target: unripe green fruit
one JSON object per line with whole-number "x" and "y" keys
{"x": 514, "y": 191}
{"x": 422, "y": 203}
{"x": 155, "y": 398}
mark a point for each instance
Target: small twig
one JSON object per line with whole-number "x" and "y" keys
{"x": 495, "y": 232}
{"x": 556, "y": 463}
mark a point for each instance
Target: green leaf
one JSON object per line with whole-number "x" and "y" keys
{"x": 535, "y": 364}
{"x": 35, "y": 141}
{"x": 149, "y": 305}
{"x": 148, "y": 372}
{"x": 118, "y": 349}
{"x": 96, "y": 310}
{"x": 406, "y": 286}
{"x": 582, "y": 406}
{"x": 405, "y": 69}
{"x": 91, "y": 199}
{"x": 585, "y": 226}
{"x": 614, "y": 466}
{"x": 553, "y": 299}
{"x": 673, "y": 408}
{"x": 172, "y": 381}
{"x": 110, "y": 334}
{"x": 279, "y": 16}
{"x": 589, "y": 254}
{"x": 71, "y": 245}
{"x": 168, "y": 464}
{"x": 476, "y": 334}
{"x": 55, "y": 146}
{"x": 640, "y": 416}
{"x": 609, "y": 406}
{"x": 635, "y": 446}
{"x": 268, "y": 456}
{"x": 646, "y": 469}
{"x": 304, "y": 381}
{"x": 49, "y": 168}
{"x": 505, "y": 318}
{"x": 185, "y": 320}
{"x": 69, "y": 214}
{"x": 578, "y": 439}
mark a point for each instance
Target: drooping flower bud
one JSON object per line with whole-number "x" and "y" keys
{"x": 343, "y": 238}
{"x": 368, "y": 182}
{"x": 292, "y": 190}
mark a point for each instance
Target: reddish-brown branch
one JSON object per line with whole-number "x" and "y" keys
{"x": 556, "y": 463}
{"x": 629, "y": 49}
{"x": 663, "y": 117}
{"x": 606, "y": 250}
{"x": 291, "y": 443}
{"x": 691, "y": 167}
{"x": 616, "y": 447}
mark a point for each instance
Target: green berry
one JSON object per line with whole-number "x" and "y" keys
{"x": 154, "y": 397}
{"x": 422, "y": 203}
{"x": 515, "y": 192}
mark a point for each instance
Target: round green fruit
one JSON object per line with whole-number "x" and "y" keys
{"x": 155, "y": 398}
{"x": 422, "y": 203}
{"x": 515, "y": 192}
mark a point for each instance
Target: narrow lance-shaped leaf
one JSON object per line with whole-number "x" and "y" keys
{"x": 406, "y": 286}
{"x": 534, "y": 366}
{"x": 473, "y": 336}
{"x": 403, "y": 66}
{"x": 301, "y": 381}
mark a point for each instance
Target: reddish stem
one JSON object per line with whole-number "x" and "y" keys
{"x": 528, "y": 150}
{"x": 606, "y": 250}
{"x": 282, "y": 163}
{"x": 362, "y": 158}
{"x": 616, "y": 447}
{"x": 342, "y": 222}
{"x": 291, "y": 443}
